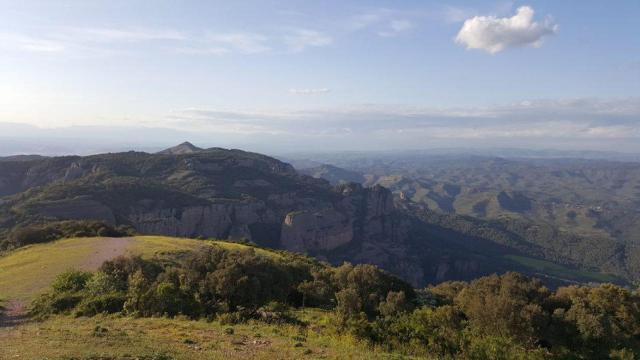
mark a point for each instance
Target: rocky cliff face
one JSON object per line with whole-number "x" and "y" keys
{"x": 323, "y": 229}
{"x": 355, "y": 215}
{"x": 221, "y": 221}
{"x": 359, "y": 214}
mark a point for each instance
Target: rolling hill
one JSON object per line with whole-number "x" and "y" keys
{"x": 28, "y": 271}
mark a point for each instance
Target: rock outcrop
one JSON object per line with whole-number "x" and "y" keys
{"x": 360, "y": 214}
{"x": 220, "y": 221}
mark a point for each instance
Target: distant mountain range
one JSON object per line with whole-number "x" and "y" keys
{"x": 232, "y": 194}
{"x": 597, "y": 202}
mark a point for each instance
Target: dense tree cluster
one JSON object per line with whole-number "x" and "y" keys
{"x": 518, "y": 316}
{"x": 238, "y": 284}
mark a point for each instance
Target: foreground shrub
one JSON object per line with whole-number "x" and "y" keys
{"x": 232, "y": 318}
{"x": 274, "y": 313}
{"x": 506, "y": 306}
{"x": 425, "y": 331}
{"x": 71, "y": 281}
{"x": 108, "y": 303}
{"x": 55, "y": 303}
{"x": 66, "y": 293}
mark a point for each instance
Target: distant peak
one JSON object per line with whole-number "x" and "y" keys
{"x": 184, "y": 148}
{"x": 188, "y": 144}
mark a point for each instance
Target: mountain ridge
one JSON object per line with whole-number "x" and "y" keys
{"x": 233, "y": 194}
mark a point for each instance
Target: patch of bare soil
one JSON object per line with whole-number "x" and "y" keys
{"x": 108, "y": 248}
{"x": 15, "y": 313}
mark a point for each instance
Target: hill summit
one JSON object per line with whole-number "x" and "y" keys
{"x": 181, "y": 149}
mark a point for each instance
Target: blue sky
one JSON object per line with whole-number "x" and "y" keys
{"x": 348, "y": 75}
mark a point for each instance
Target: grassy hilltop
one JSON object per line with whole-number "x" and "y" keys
{"x": 28, "y": 271}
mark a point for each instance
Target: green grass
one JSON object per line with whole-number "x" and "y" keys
{"x": 560, "y": 271}
{"x": 28, "y": 271}
{"x": 151, "y": 245}
{"x": 64, "y": 337}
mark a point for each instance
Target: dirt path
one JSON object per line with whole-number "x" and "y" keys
{"x": 15, "y": 313}
{"x": 107, "y": 249}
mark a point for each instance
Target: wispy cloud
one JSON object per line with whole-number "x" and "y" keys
{"x": 98, "y": 35}
{"x": 12, "y": 41}
{"x": 246, "y": 43}
{"x": 493, "y": 34}
{"x": 316, "y": 91}
{"x": 106, "y": 40}
{"x": 368, "y": 18}
{"x": 385, "y": 22}
{"x": 86, "y": 40}
{"x": 537, "y": 119}
{"x": 117, "y": 39}
{"x": 585, "y": 123}
{"x": 396, "y": 27}
{"x": 203, "y": 50}
{"x": 301, "y": 39}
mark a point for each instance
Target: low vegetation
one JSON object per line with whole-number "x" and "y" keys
{"x": 496, "y": 317}
{"x": 126, "y": 338}
{"x": 28, "y": 271}
{"x": 234, "y": 285}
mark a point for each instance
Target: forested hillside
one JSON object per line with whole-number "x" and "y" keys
{"x": 576, "y": 212}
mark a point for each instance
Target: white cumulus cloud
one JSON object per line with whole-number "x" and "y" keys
{"x": 493, "y": 34}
